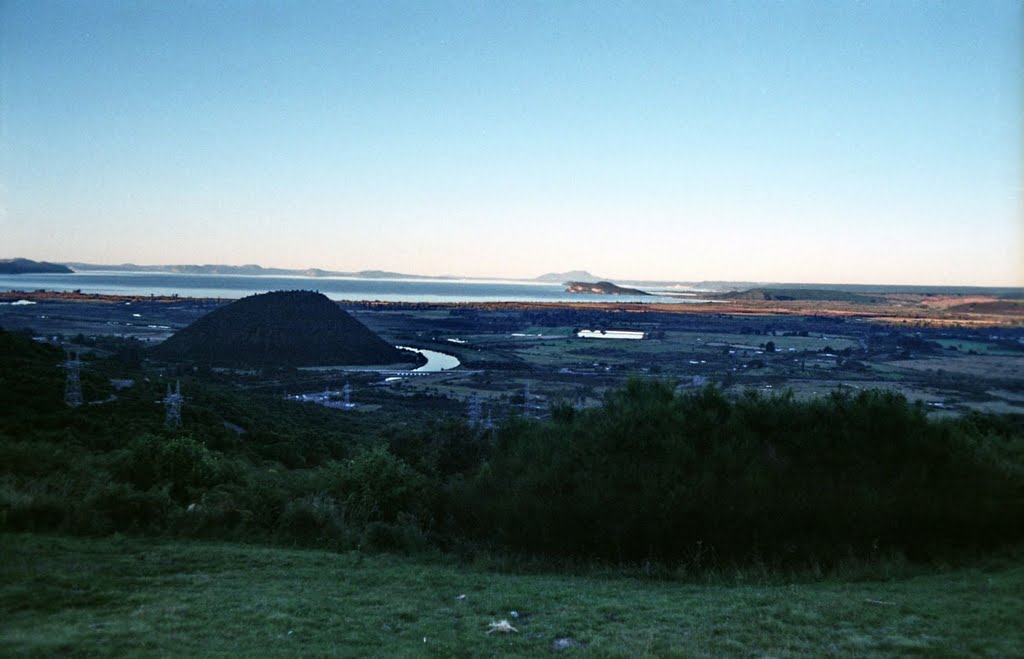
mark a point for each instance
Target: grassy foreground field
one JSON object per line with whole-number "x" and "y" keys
{"x": 138, "y": 597}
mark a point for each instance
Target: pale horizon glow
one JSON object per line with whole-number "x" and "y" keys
{"x": 848, "y": 142}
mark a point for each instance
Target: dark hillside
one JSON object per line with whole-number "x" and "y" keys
{"x": 27, "y": 266}
{"x": 601, "y": 288}
{"x": 295, "y": 328}
{"x": 799, "y": 294}
{"x": 30, "y": 379}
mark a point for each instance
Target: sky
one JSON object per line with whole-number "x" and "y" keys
{"x": 840, "y": 142}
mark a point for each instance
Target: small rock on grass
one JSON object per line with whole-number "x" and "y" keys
{"x": 560, "y": 644}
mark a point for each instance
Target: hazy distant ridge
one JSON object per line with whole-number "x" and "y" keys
{"x": 248, "y": 270}
{"x": 753, "y": 289}
{"x": 571, "y": 275}
{"x": 21, "y": 266}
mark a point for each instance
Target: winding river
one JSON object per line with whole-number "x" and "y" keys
{"x": 436, "y": 361}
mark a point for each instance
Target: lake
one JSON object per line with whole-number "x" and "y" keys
{"x": 336, "y": 288}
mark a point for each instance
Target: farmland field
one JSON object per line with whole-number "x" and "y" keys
{"x": 261, "y": 466}
{"x": 507, "y": 349}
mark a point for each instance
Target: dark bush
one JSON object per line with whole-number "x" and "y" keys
{"x": 313, "y": 519}
{"x": 180, "y": 462}
{"x": 120, "y": 507}
{"x": 376, "y": 486}
{"x": 653, "y": 475}
{"x": 403, "y": 536}
{"x": 30, "y": 506}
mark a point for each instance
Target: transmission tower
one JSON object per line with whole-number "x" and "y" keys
{"x": 73, "y": 383}
{"x": 474, "y": 410}
{"x": 172, "y": 401}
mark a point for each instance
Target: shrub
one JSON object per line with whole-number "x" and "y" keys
{"x": 120, "y": 507}
{"x": 376, "y": 486}
{"x": 404, "y": 535}
{"x": 654, "y": 474}
{"x": 313, "y": 519}
{"x": 180, "y": 462}
{"x": 29, "y": 506}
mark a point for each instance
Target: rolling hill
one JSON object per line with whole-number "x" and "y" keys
{"x": 295, "y": 328}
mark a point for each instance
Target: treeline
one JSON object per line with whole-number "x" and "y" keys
{"x": 653, "y": 475}
{"x": 658, "y": 476}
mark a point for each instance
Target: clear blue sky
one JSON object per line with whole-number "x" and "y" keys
{"x": 870, "y": 142}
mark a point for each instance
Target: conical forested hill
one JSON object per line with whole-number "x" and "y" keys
{"x": 296, "y": 328}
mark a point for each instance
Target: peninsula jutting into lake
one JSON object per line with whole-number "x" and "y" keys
{"x": 601, "y": 288}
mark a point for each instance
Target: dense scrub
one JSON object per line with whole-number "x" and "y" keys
{"x": 658, "y": 476}
{"x": 653, "y": 475}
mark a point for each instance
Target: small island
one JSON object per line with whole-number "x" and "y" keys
{"x": 28, "y": 266}
{"x": 601, "y": 288}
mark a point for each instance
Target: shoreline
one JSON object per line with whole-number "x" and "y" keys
{"x": 896, "y": 309}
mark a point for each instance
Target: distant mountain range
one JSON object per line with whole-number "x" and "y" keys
{"x": 256, "y": 270}
{"x": 656, "y": 287}
{"x": 27, "y": 266}
{"x": 571, "y": 275}
{"x": 248, "y": 269}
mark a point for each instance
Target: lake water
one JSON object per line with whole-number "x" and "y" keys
{"x": 336, "y": 288}
{"x": 610, "y": 334}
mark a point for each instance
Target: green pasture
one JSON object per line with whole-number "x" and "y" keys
{"x": 980, "y": 347}
{"x": 134, "y": 597}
